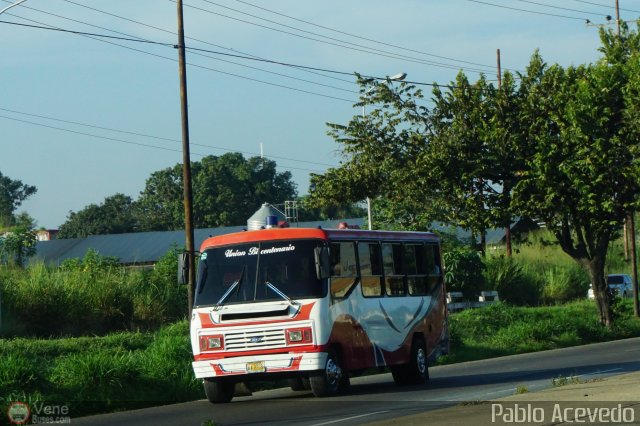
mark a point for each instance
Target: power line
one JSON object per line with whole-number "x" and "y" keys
{"x": 608, "y": 6}
{"x": 558, "y": 7}
{"x": 371, "y": 51}
{"x": 110, "y": 129}
{"x": 82, "y": 33}
{"x": 190, "y": 38}
{"x": 96, "y": 37}
{"x": 525, "y": 10}
{"x": 363, "y": 38}
{"x": 130, "y": 37}
{"x": 107, "y": 138}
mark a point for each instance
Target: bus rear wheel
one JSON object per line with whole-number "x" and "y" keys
{"x": 332, "y": 380}
{"x": 417, "y": 370}
{"x": 219, "y": 391}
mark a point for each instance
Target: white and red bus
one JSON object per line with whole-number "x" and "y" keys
{"x": 317, "y": 306}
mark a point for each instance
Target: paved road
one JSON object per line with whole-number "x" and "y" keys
{"x": 376, "y": 398}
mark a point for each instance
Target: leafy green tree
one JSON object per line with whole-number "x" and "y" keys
{"x": 113, "y": 216}
{"x": 329, "y": 212}
{"x": 380, "y": 153}
{"x": 453, "y": 164}
{"x": 582, "y": 174}
{"x": 12, "y": 194}
{"x": 17, "y": 246}
{"x": 227, "y": 190}
{"x": 457, "y": 156}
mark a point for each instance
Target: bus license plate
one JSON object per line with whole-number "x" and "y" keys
{"x": 256, "y": 367}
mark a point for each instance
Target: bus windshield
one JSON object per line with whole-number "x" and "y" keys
{"x": 257, "y": 272}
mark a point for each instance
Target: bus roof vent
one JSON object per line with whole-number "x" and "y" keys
{"x": 264, "y": 214}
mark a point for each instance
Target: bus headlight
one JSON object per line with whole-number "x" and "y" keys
{"x": 299, "y": 335}
{"x": 211, "y": 343}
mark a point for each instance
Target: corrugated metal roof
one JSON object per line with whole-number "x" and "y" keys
{"x": 142, "y": 247}
{"x": 148, "y": 247}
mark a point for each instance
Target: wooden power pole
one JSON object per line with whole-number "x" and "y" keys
{"x": 507, "y": 229}
{"x": 186, "y": 161}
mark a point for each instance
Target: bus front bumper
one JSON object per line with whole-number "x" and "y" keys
{"x": 260, "y": 364}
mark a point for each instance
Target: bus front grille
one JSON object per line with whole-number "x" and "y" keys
{"x": 255, "y": 339}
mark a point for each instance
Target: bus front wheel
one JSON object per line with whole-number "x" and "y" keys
{"x": 332, "y": 379}
{"x": 299, "y": 384}
{"x": 219, "y": 391}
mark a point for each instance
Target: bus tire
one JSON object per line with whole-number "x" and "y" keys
{"x": 299, "y": 384}
{"x": 417, "y": 370}
{"x": 331, "y": 380}
{"x": 219, "y": 391}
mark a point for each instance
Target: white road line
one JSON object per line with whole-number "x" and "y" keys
{"x": 350, "y": 418}
{"x": 600, "y": 372}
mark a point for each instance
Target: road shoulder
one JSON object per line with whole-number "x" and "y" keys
{"x": 604, "y": 401}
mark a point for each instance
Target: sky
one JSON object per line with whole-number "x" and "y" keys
{"x": 85, "y": 117}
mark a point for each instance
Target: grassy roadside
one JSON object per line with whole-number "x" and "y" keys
{"x": 128, "y": 370}
{"x": 123, "y": 370}
{"x": 501, "y": 330}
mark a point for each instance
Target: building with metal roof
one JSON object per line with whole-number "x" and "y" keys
{"x": 143, "y": 248}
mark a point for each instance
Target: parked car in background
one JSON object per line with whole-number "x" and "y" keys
{"x": 620, "y": 284}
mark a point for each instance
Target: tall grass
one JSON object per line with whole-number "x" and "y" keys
{"x": 88, "y": 297}
{"x": 540, "y": 273}
{"x": 99, "y": 374}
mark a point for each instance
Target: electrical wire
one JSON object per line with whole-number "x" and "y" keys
{"x": 608, "y": 6}
{"x": 110, "y": 129}
{"x": 347, "y": 43}
{"x": 130, "y": 37}
{"x": 363, "y": 38}
{"x": 558, "y": 7}
{"x": 99, "y": 37}
{"x": 392, "y": 56}
{"x": 525, "y": 10}
{"x": 192, "y": 38}
{"x": 107, "y": 138}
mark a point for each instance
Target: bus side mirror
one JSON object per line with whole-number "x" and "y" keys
{"x": 323, "y": 269}
{"x": 183, "y": 268}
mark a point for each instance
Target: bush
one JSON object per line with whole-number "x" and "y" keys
{"x": 93, "y": 295}
{"x": 565, "y": 284}
{"x": 463, "y": 271}
{"x": 513, "y": 284}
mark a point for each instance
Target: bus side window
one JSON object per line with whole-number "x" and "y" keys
{"x": 433, "y": 266}
{"x": 370, "y": 269}
{"x": 394, "y": 276}
{"x": 343, "y": 268}
{"x": 417, "y": 279}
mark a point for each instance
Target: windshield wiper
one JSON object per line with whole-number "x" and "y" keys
{"x": 235, "y": 284}
{"x": 293, "y": 303}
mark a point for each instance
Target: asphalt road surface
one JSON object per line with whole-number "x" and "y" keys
{"x": 375, "y": 398}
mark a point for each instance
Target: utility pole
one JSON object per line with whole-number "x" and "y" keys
{"x": 186, "y": 160}
{"x": 507, "y": 229}
{"x": 630, "y": 222}
{"x": 618, "y": 17}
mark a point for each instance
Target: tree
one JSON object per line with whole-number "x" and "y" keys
{"x": 12, "y": 194}
{"x": 17, "y": 246}
{"x": 115, "y": 215}
{"x": 582, "y": 175}
{"x": 452, "y": 164}
{"x": 380, "y": 152}
{"x": 328, "y": 212}
{"x": 227, "y": 190}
